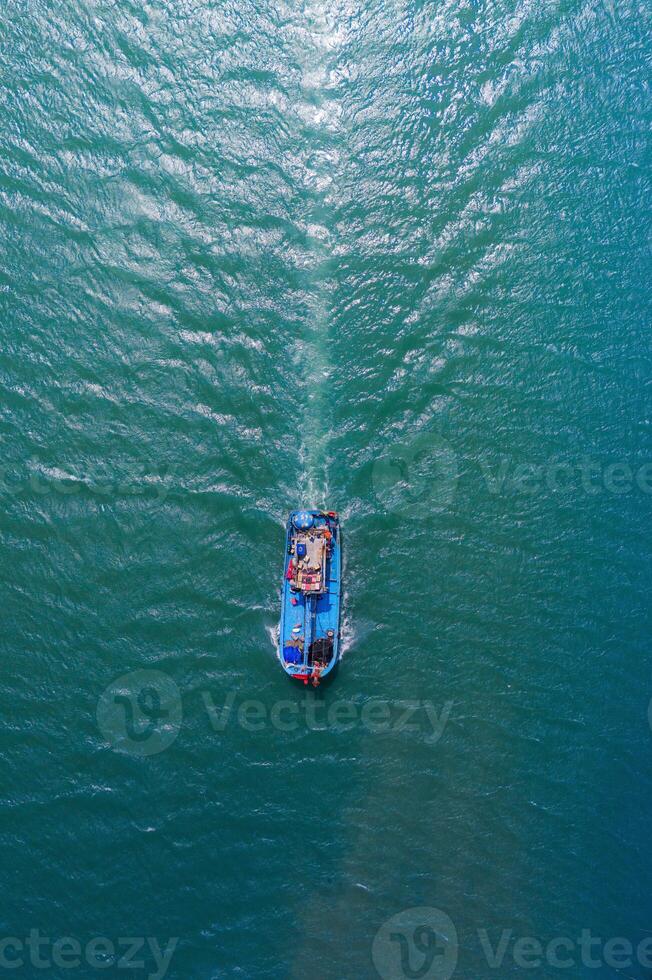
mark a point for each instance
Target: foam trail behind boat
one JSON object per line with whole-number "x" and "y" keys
{"x": 320, "y": 112}
{"x": 317, "y": 417}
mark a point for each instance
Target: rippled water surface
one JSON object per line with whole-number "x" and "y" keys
{"x": 391, "y": 257}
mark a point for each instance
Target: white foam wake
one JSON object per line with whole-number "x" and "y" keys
{"x": 320, "y": 111}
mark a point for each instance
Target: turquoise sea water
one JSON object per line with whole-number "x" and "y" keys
{"x": 393, "y": 258}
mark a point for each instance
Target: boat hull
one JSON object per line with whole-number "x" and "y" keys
{"x": 309, "y": 639}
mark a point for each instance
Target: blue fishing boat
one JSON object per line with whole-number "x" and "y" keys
{"x": 309, "y": 643}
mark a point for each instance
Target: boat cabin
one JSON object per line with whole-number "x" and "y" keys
{"x": 307, "y": 568}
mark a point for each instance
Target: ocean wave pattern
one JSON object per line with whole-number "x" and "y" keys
{"x": 391, "y": 258}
